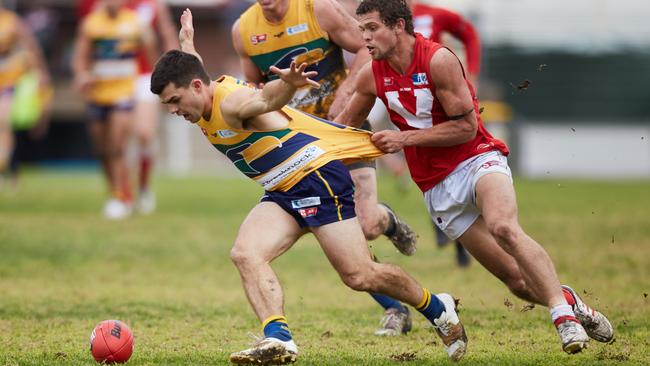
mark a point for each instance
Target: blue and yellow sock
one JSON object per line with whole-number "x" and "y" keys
{"x": 388, "y": 302}
{"x": 276, "y": 326}
{"x": 430, "y": 306}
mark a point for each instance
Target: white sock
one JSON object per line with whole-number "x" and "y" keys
{"x": 561, "y": 310}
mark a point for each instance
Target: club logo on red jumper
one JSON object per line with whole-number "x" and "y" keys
{"x": 308, "y": 212}
{"x": 388, "y": 81}
{"x": 490, "y": 163}
{"x": 258, "y": 38}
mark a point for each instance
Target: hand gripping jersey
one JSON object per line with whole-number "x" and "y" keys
{"x": 279, "y": 159}
{"x": 411, "y": 103}
{"x": 299, "y": 38}
{"x": 115, "y": 42}
{"x": 13, "y": 59}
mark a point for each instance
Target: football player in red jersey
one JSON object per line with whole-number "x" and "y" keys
{"x": 433, "y": 22}
{"x": 461, "y": 169}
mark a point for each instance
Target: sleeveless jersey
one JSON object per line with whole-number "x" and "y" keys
{"x": 411, "y": 103}
{"x": 432, "y": 21}
{"x": 279, "y": 159}
{"x": 115, "y": 42}
{"x": 147, "y": 15}
{"x": 298, "y": 37}
{"x": 13, "y": 59}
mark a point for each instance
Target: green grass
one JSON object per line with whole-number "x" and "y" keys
{"x": 63, "y": 268}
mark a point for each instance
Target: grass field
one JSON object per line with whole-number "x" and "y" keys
{"x": 63, "y": 268}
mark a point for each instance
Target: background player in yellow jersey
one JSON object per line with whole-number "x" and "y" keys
{"x": 279, "y": 32}
{"x": 19, "y": 53}
{"x": 105, "y": 70}
{"x": 296, "y": 158}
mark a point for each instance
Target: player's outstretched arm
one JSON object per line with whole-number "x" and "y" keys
{"x": 186, "y": 34}
{"x": 343, "y": 30}
{"x": 245, "y": 103}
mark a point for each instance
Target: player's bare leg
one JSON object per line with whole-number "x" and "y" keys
{"x": 495, "y": 198}
{"x": 257, "y": 244}
{"x": 482, "y": 245}
{"x": 375, "y": 218}
{"x": 119, "y": 129}
{"x": 352, "y": 260}
{"x": 147, "y": 115}
{"x": 6, "y": 134}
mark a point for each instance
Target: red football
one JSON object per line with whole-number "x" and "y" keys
{"x": 111, "y": 341}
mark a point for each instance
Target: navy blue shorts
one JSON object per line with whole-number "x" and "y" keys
{"x": 100, "y": 113}
{"x": 324, "y": 196}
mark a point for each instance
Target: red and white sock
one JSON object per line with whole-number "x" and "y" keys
{"x": 562, "y": 313}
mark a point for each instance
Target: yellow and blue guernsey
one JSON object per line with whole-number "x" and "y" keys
{"x": 298, "y": 37}
{"x": 279, "y": 159}
{"x": 13, "y": 59}
{"x": 115, "y": 42}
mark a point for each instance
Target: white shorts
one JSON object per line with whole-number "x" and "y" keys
{"x": 143, "y": 89}
{"x": 452, "y": 202}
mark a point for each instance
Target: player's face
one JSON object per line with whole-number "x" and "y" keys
{"x": 114, "y": 5}
{"x": 270, "y": 4}
{"x": 378, "y": 38}
{"x": 183, "y": 101}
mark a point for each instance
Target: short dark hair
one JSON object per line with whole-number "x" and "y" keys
{"x": 177, "y": 67}
{"x": 390, "y": 11}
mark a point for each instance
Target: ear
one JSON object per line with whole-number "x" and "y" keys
{"x": 196, "y": 84}
{"x": 400, "y": 26}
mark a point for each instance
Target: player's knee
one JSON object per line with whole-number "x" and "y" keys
{"x": 369, "y": 224}
{"x": 357, "y": 280}
{"x": 506, "y": 234}
{"x": 517, "y": 285}
{"x": 242, "y": 258}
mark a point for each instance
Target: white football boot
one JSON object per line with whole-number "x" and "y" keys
{"x": 595, "y": 323}
{"x": 450, "y": 329}
{"x": 267, "y": 351}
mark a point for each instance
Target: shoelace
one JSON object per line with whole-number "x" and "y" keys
{"x": 444, "y": 327}
{"x": 391, "y": 321}
{"x": 256, "y": 339}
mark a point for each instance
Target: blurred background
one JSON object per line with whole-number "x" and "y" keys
{"x": 564, "y": 82}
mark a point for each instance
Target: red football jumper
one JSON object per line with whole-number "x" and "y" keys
{"x": 412, "y": 104}
{"x": 432, "y": 21}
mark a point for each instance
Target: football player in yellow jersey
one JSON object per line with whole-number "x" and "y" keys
{"x": 19, "y": 53}
{"x": 278, "y": 32}
{"x": 105, "y": 71}
{"x": 243, "y": 122}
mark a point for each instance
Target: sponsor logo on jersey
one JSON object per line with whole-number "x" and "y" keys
{"x": 490, "y": 163}
{"x": 300, "y": 28}
{"x": 419, "y": 79}
{"x": 258, "y": 38}
{"x": 305, "y": 202}
{"x": 308, "y": 212}
{"x": 275, "y": 176}
{"x": 224, "y": 134}
{"x": 484, "y": 146}
{"x": 388, "y": 81}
